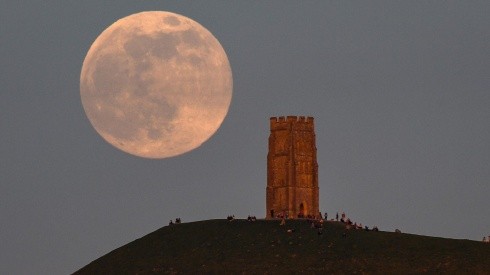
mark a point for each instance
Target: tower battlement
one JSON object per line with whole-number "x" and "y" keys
{"x": 287, "y": 122}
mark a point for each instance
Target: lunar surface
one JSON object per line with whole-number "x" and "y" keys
{"x": 156, "y": 84}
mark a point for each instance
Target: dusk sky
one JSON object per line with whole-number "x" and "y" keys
{"x": 400, "y": 93}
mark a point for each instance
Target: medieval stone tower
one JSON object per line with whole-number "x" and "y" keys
{"x": 292, "y": 169}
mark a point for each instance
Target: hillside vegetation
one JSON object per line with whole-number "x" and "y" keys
{"x": 265, "y": 247}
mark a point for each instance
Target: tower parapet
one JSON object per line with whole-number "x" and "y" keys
{"x": 279, "y": 123}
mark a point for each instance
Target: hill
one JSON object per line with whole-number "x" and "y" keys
{"x": 264, "y": 246}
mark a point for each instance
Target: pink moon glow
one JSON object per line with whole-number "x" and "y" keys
{"x": 156, "y": 84}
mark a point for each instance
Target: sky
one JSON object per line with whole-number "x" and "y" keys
{"x": 399, "y": 91}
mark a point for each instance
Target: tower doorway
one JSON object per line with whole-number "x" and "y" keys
{"x": 302, "y": 211}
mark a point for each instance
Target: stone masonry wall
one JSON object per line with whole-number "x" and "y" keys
{"x": 292, "y": 169}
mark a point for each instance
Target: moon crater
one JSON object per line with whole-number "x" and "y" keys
{"x": 156, "y": 84}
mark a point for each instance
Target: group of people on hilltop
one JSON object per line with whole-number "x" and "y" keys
{"x": 285, "y": 215}
{"x": 280, "y": 215}
{"x": 486, "y": 240}
{"x": 353, "y": 225}
{"x": 177, "y": 221}
{"x": 317, "y": 224}
{"x": 249, "y": 218}
{"x": 303, "y": 216}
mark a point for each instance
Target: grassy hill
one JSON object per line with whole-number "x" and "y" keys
{"x": 265, "y": 247}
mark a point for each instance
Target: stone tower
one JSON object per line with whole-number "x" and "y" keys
{"x": 292, "y": 169}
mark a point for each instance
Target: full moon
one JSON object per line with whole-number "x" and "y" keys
{"x": 156, "y": 84}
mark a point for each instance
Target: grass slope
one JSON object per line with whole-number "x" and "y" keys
{"x": 265, "y": 247}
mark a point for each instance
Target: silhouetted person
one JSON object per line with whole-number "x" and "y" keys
{"x": 326, "y": 215}
{"x": 337, "y": 216}
{"x": 171, "y": 222}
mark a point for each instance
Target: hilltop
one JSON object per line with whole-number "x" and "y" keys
{"x": 263, "y": 246}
